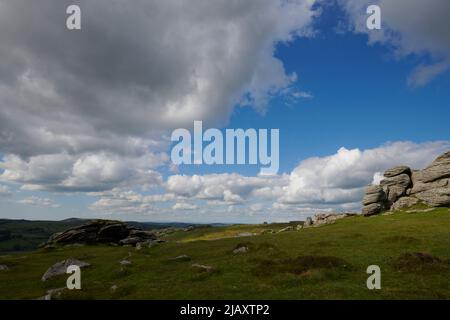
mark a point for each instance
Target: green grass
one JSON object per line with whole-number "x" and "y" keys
{"x": 329, "y": 262}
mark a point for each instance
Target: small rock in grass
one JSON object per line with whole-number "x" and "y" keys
{"x": 3, "y": 267}
{"x": 61, "y": 268}
{"x": 240, "y": 250}
{"x": 289, "y": 228}
{"x": 53, "y": 294}
{"x": 125, "y": 262}
{"x": 183, "y": 257}
{"x": 202, "y": 268}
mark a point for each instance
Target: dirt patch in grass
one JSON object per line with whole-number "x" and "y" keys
{"x": 401, "y": 239}
{"x": 420, "y": 261}
{"x": 301, "y": 265}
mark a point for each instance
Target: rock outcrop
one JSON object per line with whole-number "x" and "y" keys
{"x": 102, "y": 232}
{"x": 403, "y": 188}
{"x": 325, "y": 218}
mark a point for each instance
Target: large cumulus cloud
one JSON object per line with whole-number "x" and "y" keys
{"x": 112, "y": 90}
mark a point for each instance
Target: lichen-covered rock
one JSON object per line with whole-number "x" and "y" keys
{"x": 438, "y": 169}
{"x": 404, "y": 202}
{"x": 439, "y": 197}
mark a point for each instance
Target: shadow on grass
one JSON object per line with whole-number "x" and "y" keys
{"x": 315, "y": 266}
{"x": 417, "y": 262}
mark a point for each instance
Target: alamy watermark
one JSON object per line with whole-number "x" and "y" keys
{"x": 237, "y": 146}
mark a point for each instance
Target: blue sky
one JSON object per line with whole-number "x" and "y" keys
{"x": 86, "y": 151}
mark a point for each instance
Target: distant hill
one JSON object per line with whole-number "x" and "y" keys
{"x": 26, "y": 235}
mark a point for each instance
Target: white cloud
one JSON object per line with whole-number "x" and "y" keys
{"x": 228, "y": 188}
{"x": 87, "y": 172}
{"x": 410, "y": 27}
{"x": 184, "y": 206}
{"x": 39, "y": 202}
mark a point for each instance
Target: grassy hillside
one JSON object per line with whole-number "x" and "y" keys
{"x": 328, "y": 262}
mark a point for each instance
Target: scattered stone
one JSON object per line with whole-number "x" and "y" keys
{"x": 202, "y": 268}
{"x": 420, "y": 210}
{"x": 327, "y": 218}
{"x": 288, "y": 228}
{"x": 182, "y": 258}
{"x": 3, "y": 267}
{"x": 245, "y": 234}
{"x": 61, "y": 268}
{"x": 299, "y": 227}
{"x": 240, "y": 250}
{"x": 113, "y": 288}
{"x": 53, "y": 294}
{"x": 266, "y": 231}
{"x": 125, "y": 262}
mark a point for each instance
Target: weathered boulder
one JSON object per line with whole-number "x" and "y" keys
{"x": 3, "y": 267}
{"x": 397, "y": 171}
{"x": 419, "y": 186}
{"x": 439, "y": 197}
{"x": 396, "y": 186}
{"x": 404, "y": 202}
{"x": 438, "y": 169}
{"x": 61, "y": 268}
{"x": 374, "y": 194}
{"x": 372, "y": 209}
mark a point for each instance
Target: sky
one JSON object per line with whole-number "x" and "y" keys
{"x": 86, "y": 115}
